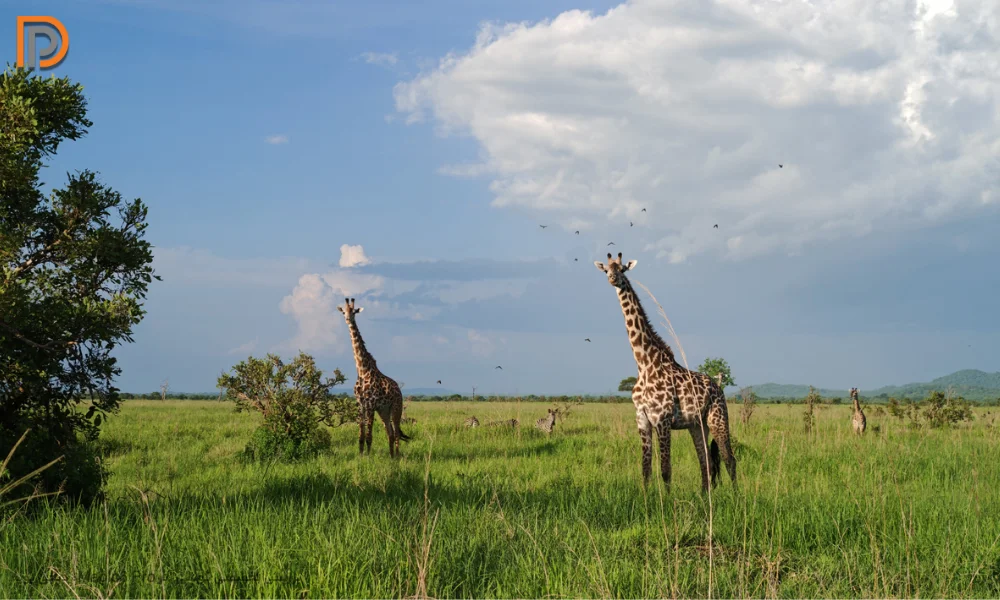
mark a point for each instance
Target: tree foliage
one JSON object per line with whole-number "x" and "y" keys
{"x": 627, "y": 384}
{"x": 714, "y": 366}
{"x": 294, "y": 400}
{"x": 74, "y": 271}
{"x": 942, "y": 410}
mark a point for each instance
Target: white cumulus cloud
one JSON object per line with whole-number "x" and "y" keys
{"x": 313, "y": 306}
{"x": 881, "y": 116}
{"x": 352, "y": 256}
{"x": 276, "y": 139}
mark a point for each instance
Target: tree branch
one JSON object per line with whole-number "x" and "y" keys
{"x": 17, "y": 334}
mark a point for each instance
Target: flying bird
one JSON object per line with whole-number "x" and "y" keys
{"x": 498, "y": 367}
{"x": 644, "y": 210}
{"x": 543, "y": 226}
{"x": 630, "y": 223}
{"x": 576, "y": 260}
{"x": 586, "y": 339}
{"x": 439, "y": 382}
{"x": 577, "y": 232}
{"x": 611, "y": 243}
{"x": 716, "y": 226}
{"x": 781, "y": 166}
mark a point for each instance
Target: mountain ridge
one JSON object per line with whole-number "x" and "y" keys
{"x": 972, "y": 384}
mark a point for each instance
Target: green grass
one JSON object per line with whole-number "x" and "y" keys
{"x": 492, "y": 513}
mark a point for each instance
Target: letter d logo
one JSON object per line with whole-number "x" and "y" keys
{"x": 49, "y": 27}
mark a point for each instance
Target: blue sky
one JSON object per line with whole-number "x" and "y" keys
{"x": 406, "y": 152}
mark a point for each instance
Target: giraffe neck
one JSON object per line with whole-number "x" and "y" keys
{"x": 857, "y": 405}
{"x": 648, "y": 348}
{"x": 362, "y": 358}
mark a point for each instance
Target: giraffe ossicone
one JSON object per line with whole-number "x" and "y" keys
{"x": 668, "y": 396}
{"x": 375, "y": 391}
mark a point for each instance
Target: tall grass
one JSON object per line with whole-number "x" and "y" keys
{"x": 515, "y": 513}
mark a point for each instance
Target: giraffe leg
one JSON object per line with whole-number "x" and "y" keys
{"x": 646, "y": 435}
{"x": 663, "y": 433}
{"x": 718, "y": 424}
{"x": 361, "y": 435}
{"x": 397, "y": 415}
{"x": 370, "y": 420}
{"x": 698, "y": 435}
{"x": 386, "y": 416}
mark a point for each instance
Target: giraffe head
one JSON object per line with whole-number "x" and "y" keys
{"x": 349, "y": 310}
{"x": 615, "y": 269}
{"x": 854, "y": 393}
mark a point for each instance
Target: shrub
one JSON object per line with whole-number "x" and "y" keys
{"x": 944, "y": 411}
{"x": 294, "y": 400}
{"x": 268, "y": 444}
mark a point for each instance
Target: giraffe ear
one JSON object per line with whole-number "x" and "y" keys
{"x": 631, "y": 265}
{"x": 357, "y": 310}
{"x": 340, "y": 308}
{"x": 599, "y": 265}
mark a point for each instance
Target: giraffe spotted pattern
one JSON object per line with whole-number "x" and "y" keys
{"x": 376, "y": 392}
{"x": 858, "y": 421}
{"x": 547, "y": 424}
{"x": 668, "y": 396}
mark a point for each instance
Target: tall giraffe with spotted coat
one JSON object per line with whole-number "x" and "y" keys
{"x": 375, "y": 391}
{"x": 858, "y": 421}
{"x": 668, "y": 396}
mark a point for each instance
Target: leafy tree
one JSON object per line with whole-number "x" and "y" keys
{"x": 945, "y": 411}
{"x": 713, "y": 366}
{"x": 74, "y": 271}
{"x": 627, "y": 384}
{"x": 294, "y": 399}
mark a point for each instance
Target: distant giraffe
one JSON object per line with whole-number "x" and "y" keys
{"x": 668, "y": 396}
{"x": 472, "y": 422}
{"x": 375, "y": 391}
{"x": 858, "y": 421}
{"x": 547, "y": 424}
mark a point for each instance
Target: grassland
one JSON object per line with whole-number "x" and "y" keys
{"x": 494, "y": 513}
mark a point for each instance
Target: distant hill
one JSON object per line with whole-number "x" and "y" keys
{"x": 972, "y": 384}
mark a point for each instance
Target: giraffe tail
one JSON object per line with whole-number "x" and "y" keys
{"x": 714, "y": 462}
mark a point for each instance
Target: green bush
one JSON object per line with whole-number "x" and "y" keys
{"x": 944, "y": 411}
{"x": 77, "y": 476}
{"x": 294, "y": 400}
{"x": 268, "y": 444}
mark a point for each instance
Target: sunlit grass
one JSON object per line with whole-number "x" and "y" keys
{"x": 519, "y": 513}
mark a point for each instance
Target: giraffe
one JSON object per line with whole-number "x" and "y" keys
{"x": 375, "y": 391}
{"x": 547, "y": 424}
{"x": 668, "y": 396}
{"x": 858, "y": 421}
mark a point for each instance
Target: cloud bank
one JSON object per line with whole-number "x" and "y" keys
{"x": 413, "y": 292}
{"x": 882, "y": 118}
